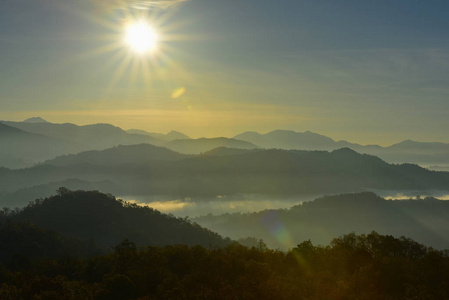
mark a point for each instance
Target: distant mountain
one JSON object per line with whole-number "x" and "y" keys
{"x": 95, "y": 136}
{"x": 224, "y": 151}
{"x": 97, "y": 217}
{"x": 176, "y": 135}
{"x": 172, "y": 135}
{"x": 197, "y": 146}
{"x": 420, "y": 147}
{"x": 23, "y": 197}
{"x": 403, "y": 152}
{"x": 286, "y": 139}
{"x": 273, "y": 173}
{"x": 20, "y": 148}
{"x": 65, "y": 139}
{"x": 131, "y": 154}
{"x": 325, "y": 218}
{"x": 35, "y": 120}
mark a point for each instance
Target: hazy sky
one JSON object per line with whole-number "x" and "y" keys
{"x": 365, "y": 71}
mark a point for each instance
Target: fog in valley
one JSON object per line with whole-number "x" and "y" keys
{"x": 194, "y": 207}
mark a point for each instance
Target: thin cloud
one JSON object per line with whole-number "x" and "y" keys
{"x": 144, "y": 4}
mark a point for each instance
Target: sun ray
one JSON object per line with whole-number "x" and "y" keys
{"x": 137, "y": 42}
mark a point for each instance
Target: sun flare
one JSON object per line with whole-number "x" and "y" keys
{"x": 141, "y": 37}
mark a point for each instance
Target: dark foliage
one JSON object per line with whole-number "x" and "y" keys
{"x": 365, "y": 267}
{"x": 425, "y": 220}
{"x": 93, "y": 216}
{"x": 274, "y": 173}
{"x": 20, "y": 242}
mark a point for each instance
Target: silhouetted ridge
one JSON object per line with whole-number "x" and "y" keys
{"x": 122, "y": 154}
{"x": 348, "y": 199}
{"x": 345, "y": 151}
{"x": 176, "y": 135}
{"x": 107, "y": 221}
{"x": 224, "y": 151}
{"x": 197, "y": 146}
{"x": 406, "y": 151}
{"x": 270, "y": 172}
{"x": 35, "y": 120}
{"x": 426, "y": 221}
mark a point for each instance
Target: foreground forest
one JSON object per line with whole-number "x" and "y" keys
{"x": 369, "y": 267}
{"x": 103, "y": 221}
{"x": 89, "y": 245}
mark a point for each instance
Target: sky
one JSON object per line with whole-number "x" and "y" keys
{"x": 372, "y": 72}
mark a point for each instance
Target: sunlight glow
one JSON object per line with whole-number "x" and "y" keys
{"x": 141, "y": 37}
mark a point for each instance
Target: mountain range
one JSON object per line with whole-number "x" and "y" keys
{"x": 106, "y": 221}
{"x": 151, "y": 170}
{"x": 47, "y": 140}
{"x": 424, "y": 220}
{"x": 406, "y": 151}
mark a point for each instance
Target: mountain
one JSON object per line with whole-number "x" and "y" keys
{"x": 197, "y": 146}
{"x": 131, "y": 154}
{"x": 273, "y": 173}
{"x": 426, "y": 220}
{"x": 224, "y": 151}
{"x": 20, "y": 148}
{"x": 35, "y": 120}
{"x": 24, "y": 196}
{"x": 404, "y": 152}
{"x": 420, "y": 146}
{"x": 172, "y": 135}
{"x": 87, "y": 137}
{"x": 107, "y": 221}
{"x": 286, "y": 139}
{"x": 51, "y": 140}
{"x": 176, "y": 135}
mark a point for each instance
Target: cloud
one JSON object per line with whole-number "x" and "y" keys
{"x": 144, "y": 4}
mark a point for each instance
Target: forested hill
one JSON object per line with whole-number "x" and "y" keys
{"x": 275, "y": 173}
{"x": 425, "y": 220}
{"x": 107, "y": 221}
{"x": 368, "y": 267}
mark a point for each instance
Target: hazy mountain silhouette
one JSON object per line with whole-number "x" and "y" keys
{"x": 22, "y": 197}
{"x": 286, "y": 139}
{"x": 35, "y": 120}
{"x": 426, "y": 221}
{"x": 20, "y": 148}
{"x": 224, "y": 151}
{"x": 176, "y": 135}
{"x": 196, "y": 146}
{"x": 172, "y": 135}
{"x": 87, "y": 137}
{"x": 108, "y": 221}
{"x": 406, "y": 151}
{"x": 45, "y": 140}
{"x": 274, "y": 173}
{"x": 131, "y": 154}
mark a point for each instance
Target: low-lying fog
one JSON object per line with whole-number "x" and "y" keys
{"x": 243, "y": 203}
{"x": 194, "y": 207}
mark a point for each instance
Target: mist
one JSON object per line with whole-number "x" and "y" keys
{"x": 222, "y": 204}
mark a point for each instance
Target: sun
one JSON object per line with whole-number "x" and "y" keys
{"x": 141, "y": 37}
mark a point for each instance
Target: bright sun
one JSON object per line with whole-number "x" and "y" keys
{"x": 141, "y": 37}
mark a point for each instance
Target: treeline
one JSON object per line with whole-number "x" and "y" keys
{"x": 102, "y": 220}
{"x": 353, "y": 266}
{"x": 424, "y": 220}
{"x": 274, "y": 173}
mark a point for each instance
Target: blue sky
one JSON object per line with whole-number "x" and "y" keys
{"x": 365, "y": 71}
